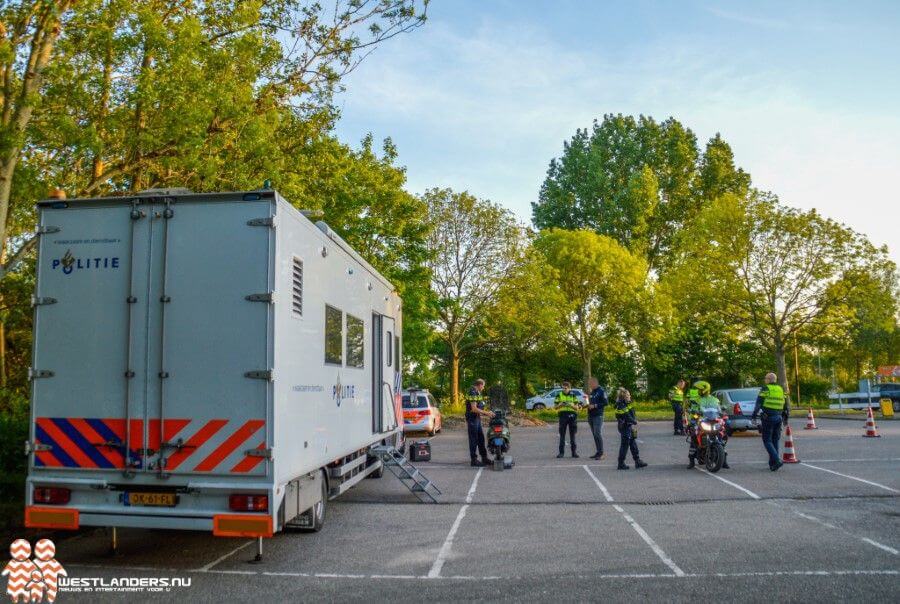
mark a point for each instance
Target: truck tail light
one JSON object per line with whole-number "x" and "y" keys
{"x": 52, "y": 495}
{"x": 248, "y": 503}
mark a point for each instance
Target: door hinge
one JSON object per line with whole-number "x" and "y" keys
{"x": 268, "y": 221}
{"x": 34, "y": 374}
{"x": 35, "y": 447}
{"x": 269, "y": 297}
{"x": 266, "y": 453}
{"x": 43, "y": 230}
{"x": 259, "y": 375}
{"x": 36, "y": 301}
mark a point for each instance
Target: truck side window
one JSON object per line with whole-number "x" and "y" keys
{"x": 397, "y": 353}
{"x": 355, "y": 338}
{"x": 334, "y": 335}
{"x": 388, "y": 343}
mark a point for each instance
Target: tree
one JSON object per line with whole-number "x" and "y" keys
{"x": 635, "y": 180}
{"x": 121, "y": 95}
{"x": 524, "y": 321}
{"x": 473, "y": 247}
{"x": 602, "y": 286}
{"x": 774, "y": 271}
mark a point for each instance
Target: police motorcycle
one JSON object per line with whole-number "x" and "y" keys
{"x": 498, "y": 440}
{"x": 706, "y": 434}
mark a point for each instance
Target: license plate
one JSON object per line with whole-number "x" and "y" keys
{"x": 151, "y": 499}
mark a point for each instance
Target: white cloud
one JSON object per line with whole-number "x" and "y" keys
{"x": 486, "y": 110}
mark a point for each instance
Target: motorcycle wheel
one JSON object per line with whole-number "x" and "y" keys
{"x": 715, "y": 457}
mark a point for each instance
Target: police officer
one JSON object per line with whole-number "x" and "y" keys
{"x": 676, "y": 397}
{"x": 627, "y": 424}
{"x": 693, "y": 396}
{"x": 775, "y": 409}
{"x": 475, "y": 410}
{"x": 596, "y": 406}
{"x": 567, "y": 404}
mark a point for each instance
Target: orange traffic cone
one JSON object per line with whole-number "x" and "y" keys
{"x": 789, "y": 455}
{"x": 810, "y": 420}
{"x": 871, "y": 430}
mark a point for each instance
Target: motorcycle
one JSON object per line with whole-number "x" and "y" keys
{"x": 707, "y": 436}
{"x": 498, "y": 440}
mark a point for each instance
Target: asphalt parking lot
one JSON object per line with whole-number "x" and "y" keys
{"x": 575, "y": 529}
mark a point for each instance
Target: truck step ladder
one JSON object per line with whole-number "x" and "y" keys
{"x": 417, "y": 483}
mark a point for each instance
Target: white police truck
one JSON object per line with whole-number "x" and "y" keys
{"x": 212, "y": 362}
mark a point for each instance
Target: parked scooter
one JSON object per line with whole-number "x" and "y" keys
{"x": 498, "y": 440}
{"x": 706, "y": 435}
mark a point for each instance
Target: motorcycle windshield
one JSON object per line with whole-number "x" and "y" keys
{"x": 711, "y": 414}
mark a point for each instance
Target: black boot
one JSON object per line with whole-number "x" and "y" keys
{"x": 575, "y": 455}
{"x": 623, "y": 465}
{"x": 477, "y": 464}
{"x": 560, "y": 456}
{"x": 640, "y": 464}
{"x": 690, "y": 462}
{"x": 725, "y": 463}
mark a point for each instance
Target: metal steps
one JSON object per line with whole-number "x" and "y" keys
{"x": 417, "y": 483}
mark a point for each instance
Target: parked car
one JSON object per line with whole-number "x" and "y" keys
{"x": 738, "y": 404}
{"x": 420, "y": 412}
{"x": 547, "y": 400}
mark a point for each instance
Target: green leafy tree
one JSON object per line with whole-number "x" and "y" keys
{"x": 524, "y": 321}
{"x": 635, "y": 180}
{"x": 601, "y": 286}
{"x": 473, "y": 247}
{"x": 774, "y": 271}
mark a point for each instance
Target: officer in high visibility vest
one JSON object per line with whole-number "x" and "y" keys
{"x": 475, "y": 402}
{"x": 567, "y": 405}
{"x": 776, "y": 409}
{"x": 676, "y": 397}
{"x": 693, "y": 397}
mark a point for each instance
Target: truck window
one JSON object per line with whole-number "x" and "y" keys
{"x": 397, "y": 353}
{"x": 297, "y": 289}
{"x": 334, "y": 341}
{"x": 388, "y": 343}
{"x": 355, "y": 338}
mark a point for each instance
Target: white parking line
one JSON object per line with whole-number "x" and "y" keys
{"x": 435, "y": 571}
{"x": 225, "y": 557}
{"x": 301, "y": 575}
{"x": 637, "y": 527}
{"x": 874, "y": 484}
{"x": 734, "y": 484}
{"x": 886, "y": 548}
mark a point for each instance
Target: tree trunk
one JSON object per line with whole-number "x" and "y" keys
{"x": 2, "y": 354}
{"x": 454, "y": 376}
{"x": 781, "y": 367}
{"x": 586, "y": 367}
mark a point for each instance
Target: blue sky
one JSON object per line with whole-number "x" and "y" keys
{"x": 807, "y": 93}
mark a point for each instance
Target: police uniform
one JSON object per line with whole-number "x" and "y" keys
{"x": 567, "y": 409}
{"x": 627, "y": 423}
{"x": 775, "y": 409}
{"x": 473, "y": 425}
{"x": 676, "y": 397}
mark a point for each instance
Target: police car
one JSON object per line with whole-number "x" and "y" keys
{"x": 420, "y": 412}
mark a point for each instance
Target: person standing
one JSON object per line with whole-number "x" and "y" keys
{"x": 596, "y": 407}
{"x": 627, "y": 424}
{"x": 474, "y": 412}
{"x": 776, "y": 409}
{"x": 567, "y": 410}
{"x": 676, "y": 397}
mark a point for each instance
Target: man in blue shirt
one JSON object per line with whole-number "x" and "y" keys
{"x": 596, "y": 406}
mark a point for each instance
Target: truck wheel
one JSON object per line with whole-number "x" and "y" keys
{"x": 539, "y": 407}
{"x": 317, "y": 512}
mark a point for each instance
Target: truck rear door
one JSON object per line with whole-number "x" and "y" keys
{"x": 152, "y": 346}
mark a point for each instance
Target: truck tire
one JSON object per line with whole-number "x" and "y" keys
{"x": 317, "y": 513}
